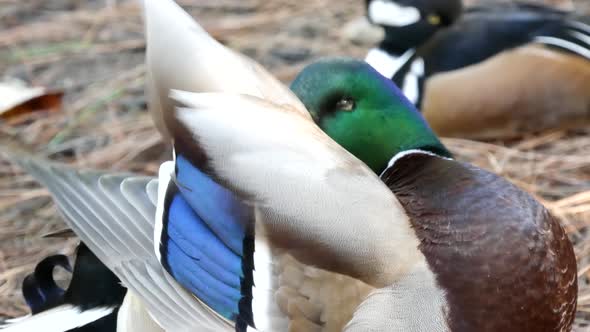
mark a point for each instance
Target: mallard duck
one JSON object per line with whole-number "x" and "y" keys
{"x": 494, "y": 72}
{"x": 263, "y": 222}
{"x": 90, "y": 303}
{"x": 479, "y": 233}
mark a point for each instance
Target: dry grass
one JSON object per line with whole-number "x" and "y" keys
{"x": 94, "y": 51}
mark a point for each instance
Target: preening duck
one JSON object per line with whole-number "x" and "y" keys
{"x": 263, "y": 222}
{"x": 480, "y": 235}
{"x": 494, "y": 71}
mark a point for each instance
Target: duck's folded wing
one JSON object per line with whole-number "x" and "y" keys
{"x": 114, "y": 215}
{"x": 262, "y": 217}
{"x": 180, "y": 54}
{"x": 210, "y": 243}
{"x": 312, "y": 197}
{"x": 269, "y": 222}
{"x": 301, "y": 206}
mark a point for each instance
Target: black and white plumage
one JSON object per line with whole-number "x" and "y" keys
{"x": 492, "y": 36}
{"x": 39, "y": 288}
{"x": 89, "y": 304}
{"x": 478, "y": 34}
{"x": 410, "y": 23}
{"x": 502, "y": 29}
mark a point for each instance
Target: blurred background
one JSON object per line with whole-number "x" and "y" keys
{"x": 81, "y": 63}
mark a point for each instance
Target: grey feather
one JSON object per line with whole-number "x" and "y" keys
{"x": 152, "y": 191}
{"x": 113, "y": 215}
{"x": 135, "y": 191}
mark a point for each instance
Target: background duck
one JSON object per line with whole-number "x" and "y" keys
{"x": 530, "y": 72}
{"x": 89, "y": 304}
{"x": 407, "y": 25}
{"x": 40, "y": 290}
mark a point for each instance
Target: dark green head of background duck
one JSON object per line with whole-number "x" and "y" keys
{"x": 363, "y": 111}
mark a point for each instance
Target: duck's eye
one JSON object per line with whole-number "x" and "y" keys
{"x": 433, "y": 19}
{"x": 345, "y": 104}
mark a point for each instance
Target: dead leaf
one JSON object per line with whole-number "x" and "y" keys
{"x": 17, "y": 99}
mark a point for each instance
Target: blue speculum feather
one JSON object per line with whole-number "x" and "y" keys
{"x": 196, "y": 240}
{"x": 216, "y": 205}
{"x": 205, "y": 245}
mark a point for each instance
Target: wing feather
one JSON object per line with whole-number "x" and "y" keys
{"x": 180, "y": 54}
{"x": 100, "y": 208}
{"x": 310, "y": 194}
{"x": 152, "y": 191}
{"x": 135, "y": 192}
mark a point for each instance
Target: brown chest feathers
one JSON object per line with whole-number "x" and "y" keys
{"x": 504, "y": 262}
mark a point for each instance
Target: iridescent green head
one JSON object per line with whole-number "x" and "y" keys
{"x": 363, "y": 111}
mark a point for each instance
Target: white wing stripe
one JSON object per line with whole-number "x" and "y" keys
{"x": 568, "y": 45}
{"x": 580, "y": 26}
{"x": 580, "y": 36}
